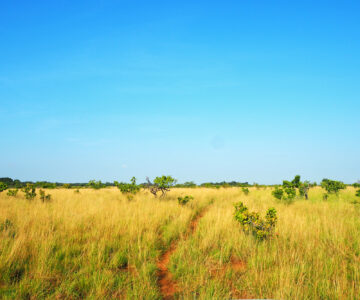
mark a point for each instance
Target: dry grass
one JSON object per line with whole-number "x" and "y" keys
{"x": 97, "y": 244}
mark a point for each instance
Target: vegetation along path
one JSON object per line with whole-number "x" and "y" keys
{"x": 167, "y": 285}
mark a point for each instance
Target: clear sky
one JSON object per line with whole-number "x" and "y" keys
{"x": 200, "y": 90}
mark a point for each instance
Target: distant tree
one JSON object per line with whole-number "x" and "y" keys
{"x": 296, "y": 181}
{"x": 95, "y": 184}
{"x": 67, "y": 185}
{"x": 356, "y": 184}
{"x": 161, "y": 184}
{"x": 357, "y": 193}
{"x": 6, "y": 180}
{"x": 189, "y": 184}
{"x": 3, "y": 186}
{"x": 332, "y": 186}
{"x": 304, "y": 189}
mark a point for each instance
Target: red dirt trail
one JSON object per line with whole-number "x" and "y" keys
{"x": 166, "y": 283}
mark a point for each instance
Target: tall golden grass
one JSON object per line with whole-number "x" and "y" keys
{"x": 97, "y": 244}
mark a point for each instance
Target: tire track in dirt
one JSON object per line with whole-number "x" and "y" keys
{"x": 167, "y": 285}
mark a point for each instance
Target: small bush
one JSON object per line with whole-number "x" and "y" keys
{"x": 29, "y": 191}
{"x": 3, "y": 186}
{"x": 185, "y": 200}
{"x": 76, "y": 191}
{"x": 278, "y": 193}
{"x": 44, "y": 197}
{"x": 252, "y": 223}
{"x": 12, "y": 193}
{"x": 357, "y": 194}
{"x": 128, "y": 188}
{"x": 245, "y": 191}
{"x": 287, "y": 192}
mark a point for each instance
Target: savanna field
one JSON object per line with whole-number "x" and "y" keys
{"x": 100, "y": 244}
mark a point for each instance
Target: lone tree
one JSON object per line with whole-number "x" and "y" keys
{"x": 332, "y": 186}
{"x": 161, "y": 184}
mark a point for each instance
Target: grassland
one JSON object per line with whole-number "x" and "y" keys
{"x": 98, "y": 245}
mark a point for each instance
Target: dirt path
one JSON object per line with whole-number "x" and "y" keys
{"x": 167, "y": 284}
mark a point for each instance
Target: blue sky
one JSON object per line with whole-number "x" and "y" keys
{"x": 252, "y": 91}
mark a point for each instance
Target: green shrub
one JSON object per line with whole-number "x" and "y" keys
{"x": 12, "y": 193}
{"x": 278, "y": 193}
{"x": 29, "y": 191}
{"x": 245, "y": 191}
{"x": 290, "y": 193}
{"x": 128, "y": 188}
{"x": 3, "y": 186}
{"x": 185, "y": 200}
{"x": 357, "y": 193}
{"x": 252, "y": 223}
{"x": 44, "y": 197}
{"x": 287, "y": 192}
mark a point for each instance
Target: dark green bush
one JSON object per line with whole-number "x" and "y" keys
{"x": 44, "y": 197}
{"x": 3, "y": 186}
{"x": 245, "y": 191}
{"x": 252, "y": 223}
{"x": 128, "y": 188}
{"x": 29, "y": 191}
{"x": 185, "y": 200}
{"x": 12, "y": 193}
{"x": 278, "y": 193}
{"x": 357, "y": 193}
